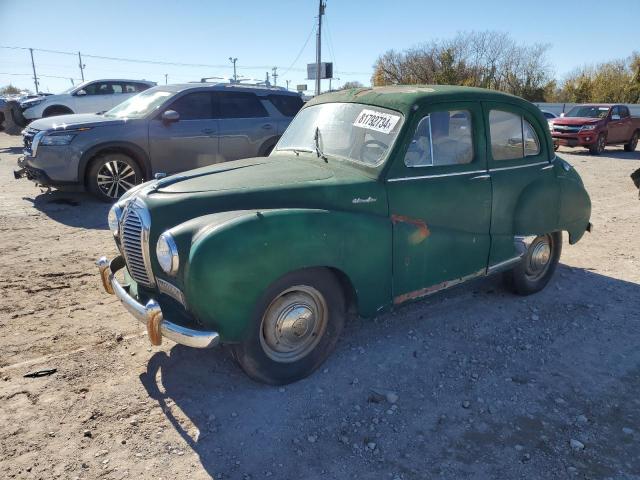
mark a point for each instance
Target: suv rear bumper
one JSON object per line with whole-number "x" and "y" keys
{"x": 151, "y": 313}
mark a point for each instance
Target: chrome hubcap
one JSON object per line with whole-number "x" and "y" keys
{"x": 538, "y": 257}
{"x": 293, "y": 324}
{"x": 116, "y": 177}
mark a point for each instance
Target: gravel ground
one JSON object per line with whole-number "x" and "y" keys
{"x": 471, "y": 383}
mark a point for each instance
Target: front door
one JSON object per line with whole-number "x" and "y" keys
{"x": 440, "y": 201}
{"x": 191, "y": 142}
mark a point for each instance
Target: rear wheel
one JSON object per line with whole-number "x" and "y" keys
{"x": 295, "y": 327}
{"x": 537, "y": 266}
{"x": 633, "y": 143}
{"x": 112, "y": 174}
{"x": 598, "y": 147}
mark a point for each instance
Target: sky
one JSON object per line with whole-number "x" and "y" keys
{"x": 262, "y": 35}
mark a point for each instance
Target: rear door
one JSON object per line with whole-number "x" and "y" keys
{"x": 189, "y": 143}
{"x": 521, "y": 173}
{"x": 245, "y": 125}
{"x": 440, "y": 201}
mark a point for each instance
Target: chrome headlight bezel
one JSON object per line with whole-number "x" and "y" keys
{"x": 167, "y": 254}
{"x": 113, "y": 218}
{"x": 588, "y": 127}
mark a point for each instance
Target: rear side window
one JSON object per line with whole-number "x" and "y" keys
{"x": 135, "y": 87}
{"x": 194, "y": 106}
{"x": 624, "y": 111}
{"x": 240, "y": 105}
{"x": 441, "y": 138}
{"x": 512, "y": 137}
{"x": 287, "y": 105}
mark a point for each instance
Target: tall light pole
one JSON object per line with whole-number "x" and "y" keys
{"x": 275, "y": 75}
{"x": 235, "y": 77}
{"x": 81, "y": 65}
{"x": 166, "y": 76}
{"x": 287, "y": 83}
{"x": 321, "y": 6}
{"x": 33, "y": 65}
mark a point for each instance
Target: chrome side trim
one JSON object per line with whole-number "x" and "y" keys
{"x": 504, "y": 265}
{"x": 422, "y": 177}
{"x": 517, "y": 166}
{"x": 151, "y": 314}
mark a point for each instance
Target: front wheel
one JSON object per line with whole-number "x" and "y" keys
{"x": 296, "y": 325}
{"x": 537, "y": 265}
{"x": 598, "y": 147}
{"x": 111, "y": 175}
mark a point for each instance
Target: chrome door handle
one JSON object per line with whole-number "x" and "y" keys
{"x": 481, "y": 177}
{"x": 267, "y": 126}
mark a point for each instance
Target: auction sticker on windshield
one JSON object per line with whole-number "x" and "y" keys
{"x": 378, "y": 121}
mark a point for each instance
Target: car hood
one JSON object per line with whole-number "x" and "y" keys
{"x": 73, "y": 121}
{"x": 277, "y": 181}
{"x": 574, "y": 120}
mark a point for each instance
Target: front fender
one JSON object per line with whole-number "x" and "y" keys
{"x": 235, "y": 257}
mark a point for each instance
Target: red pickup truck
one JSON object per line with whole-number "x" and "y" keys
{"x": 595, "y": 126}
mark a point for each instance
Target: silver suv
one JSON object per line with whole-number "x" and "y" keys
{"x": 165, "y": 129}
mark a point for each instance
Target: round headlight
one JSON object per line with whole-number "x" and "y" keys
{"x": 114, "y": 219}
{"x": 167, "y": 254}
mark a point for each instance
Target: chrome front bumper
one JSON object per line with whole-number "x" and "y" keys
{"x": 151, "y": 313}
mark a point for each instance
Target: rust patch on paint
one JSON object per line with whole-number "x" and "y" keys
{"x": 422, "y": 228}
{"x": 423, "y": 292}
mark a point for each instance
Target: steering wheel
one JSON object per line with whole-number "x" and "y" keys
{"x": 372, "y": 150}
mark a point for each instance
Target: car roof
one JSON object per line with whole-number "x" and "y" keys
{"x": 118, "y": 80}
{"x": 403, "y": 97}
{"x": 257, "y": 89}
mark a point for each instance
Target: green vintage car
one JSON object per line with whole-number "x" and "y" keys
{"x": 373, "y": 197}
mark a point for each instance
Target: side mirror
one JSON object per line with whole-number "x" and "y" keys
{"x": 81, "y": 92}
{"x": 170, "y": 116}
{"x": 615, "y": 117}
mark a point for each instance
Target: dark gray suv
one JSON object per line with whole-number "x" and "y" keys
{"x": 165, "y": 129}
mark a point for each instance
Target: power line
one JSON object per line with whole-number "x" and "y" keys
{"x": 313, "y": 29}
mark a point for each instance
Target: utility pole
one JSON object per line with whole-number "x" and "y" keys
{"x": 166, "y": 75}
{"x": 275, "y": 76}
{"x": 321, "y": 6}
{"x": 35, "y": 77}
{"x": 235, "y": 77}
{"x": 81, "y": 65}
{"x": 266, "y": 81}
{"x": 287, "y": 83}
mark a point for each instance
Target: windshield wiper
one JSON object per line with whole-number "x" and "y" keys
{"x": 296, "y": 150}
{"x": 316, "y": 139}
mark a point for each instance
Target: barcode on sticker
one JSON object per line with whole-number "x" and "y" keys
{"x": 378, "y": 121}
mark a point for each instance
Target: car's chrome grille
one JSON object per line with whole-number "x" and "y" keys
{"x": 27, "y": 138}
{"x": 133, "y": 242}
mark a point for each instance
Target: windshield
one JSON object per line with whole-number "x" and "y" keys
{"x": 588, "y": 112}
{"x": 353, "y": 131}
{"x": 139, "y": 105}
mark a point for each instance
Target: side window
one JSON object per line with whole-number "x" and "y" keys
{"x": 240, "y": 105}
{"x": 512, "y": 137}
{"x": 134, "y": 87}
{"x": 98, "y": 88}
{"x": 116, "y": 87}
{"x": 615, "y": 111}
{"x": 287, "y": 105}
{"x": 624, "y": 111}
{"x": 442, "y": 138}
{"x": 193, "y": 106}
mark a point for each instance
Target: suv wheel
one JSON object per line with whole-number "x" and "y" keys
{"x": 55, "y": 111}
{"x": 112, "y": 174}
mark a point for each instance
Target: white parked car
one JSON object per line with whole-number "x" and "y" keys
{"x": 89, "y": 97}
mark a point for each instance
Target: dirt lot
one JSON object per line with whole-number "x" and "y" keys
{"x": 489, "y": 385}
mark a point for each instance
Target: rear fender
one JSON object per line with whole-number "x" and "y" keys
{"x": 237, "y": 255}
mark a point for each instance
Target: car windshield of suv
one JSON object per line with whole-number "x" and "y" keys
{"x": 588, "y": 112}
{"x": 139, "y": 105}
{"x": 352, "y": 131}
